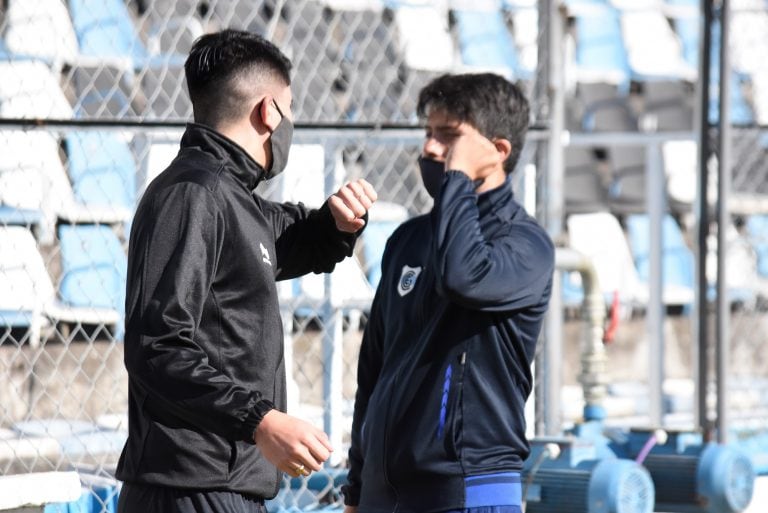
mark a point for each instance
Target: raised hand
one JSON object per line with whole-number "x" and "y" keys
{"x": 350, "y": 204}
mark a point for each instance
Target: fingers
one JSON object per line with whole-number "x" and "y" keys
{"x": 472, "y": 153}
{"x": 355, "y": 198}
{"x": 350, "y": 204}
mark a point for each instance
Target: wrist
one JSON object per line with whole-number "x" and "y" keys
{"x": 261, "y": 408}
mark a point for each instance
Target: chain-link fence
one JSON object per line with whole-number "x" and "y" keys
{"x": 106, "y": 79}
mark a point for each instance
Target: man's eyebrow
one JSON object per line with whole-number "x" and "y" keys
{"x": 444, "y": 128}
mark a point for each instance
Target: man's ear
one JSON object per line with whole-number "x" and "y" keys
{"x": 263, "y": 115}
{"x": 504, "y": 147}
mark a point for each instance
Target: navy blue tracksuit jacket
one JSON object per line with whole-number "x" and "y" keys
{"x": 444, "y": 368}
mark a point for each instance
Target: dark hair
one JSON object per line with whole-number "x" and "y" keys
{"x": 496, "y": 107}
{"x": 225, "y": 69}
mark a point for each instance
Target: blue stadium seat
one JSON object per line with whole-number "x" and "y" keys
{"x": 12, "y": 216}
{"x": 104, "y": 29}
{"x": 94, "y": 268}
{"x": 101, "y": 168}
{"x": 686, "y": 25}
{"x": 687, "y": 29}
{"x": 25, "y": 287}
{"x": 677, "y": 258}
{"x": 485, "y": 42}
{"x": 41, "y": 29}
{"x": 600, "y": 52}
{"x": 757, "y": 230}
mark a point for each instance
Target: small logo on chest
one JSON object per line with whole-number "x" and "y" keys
{"x": 408, "y": 279}
{"x": 265, "y": 255}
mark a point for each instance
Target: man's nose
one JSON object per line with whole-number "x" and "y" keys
{"x": 433, "y": 149}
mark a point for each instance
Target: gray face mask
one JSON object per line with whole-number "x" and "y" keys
{"x": 280, "y": 142}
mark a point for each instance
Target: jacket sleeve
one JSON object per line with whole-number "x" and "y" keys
{"x": 172, "y": 268}
{"x": 510, "y": 271}
{"x": 307, "y": 240}
{"x": 368, "y": 369}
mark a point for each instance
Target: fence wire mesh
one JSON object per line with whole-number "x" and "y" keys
{"x": 67, "y": 195}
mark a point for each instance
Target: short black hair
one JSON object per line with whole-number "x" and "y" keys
{"x": 496, "y": 107}
{"x": 224, "y": 69}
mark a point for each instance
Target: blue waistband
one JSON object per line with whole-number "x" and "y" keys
{"x": 502, "y": 489}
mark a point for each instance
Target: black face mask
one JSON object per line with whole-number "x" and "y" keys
{"x": 280, "y": 142}
{"x": 432, "y": 174}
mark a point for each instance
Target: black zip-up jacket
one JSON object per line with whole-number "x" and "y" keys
{"x": 204, "y": 338}
{"x": 444, "y": 367}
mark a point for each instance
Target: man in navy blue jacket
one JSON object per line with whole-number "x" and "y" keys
{"x": 444, "y": 366}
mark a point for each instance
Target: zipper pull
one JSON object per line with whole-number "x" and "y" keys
{"x": 463, "y": 357}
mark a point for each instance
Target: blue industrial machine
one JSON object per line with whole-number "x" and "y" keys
{"x": 566, "y": 475}
{"x": 690, "y": 475}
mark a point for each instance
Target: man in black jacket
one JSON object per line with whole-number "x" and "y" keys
{"x": 204, "y": 341}
{"x": 444, "y": 366}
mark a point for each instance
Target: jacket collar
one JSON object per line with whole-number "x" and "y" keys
{"x": 490, "y": 201}
{"x": 238, "y": 162}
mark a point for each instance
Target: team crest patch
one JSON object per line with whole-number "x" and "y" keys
{"x": 408, "y": 279}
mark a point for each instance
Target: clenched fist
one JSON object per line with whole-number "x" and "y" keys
{"x": 350, "y": 204}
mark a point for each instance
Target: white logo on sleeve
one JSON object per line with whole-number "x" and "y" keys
{"x": 265, "y": 255}
{"x": 407, "y": 279}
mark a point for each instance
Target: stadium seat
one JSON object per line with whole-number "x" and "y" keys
{"x": 525, "y": 30}
{"x": 600, "y": 52}
{"x": 485, "y": 42}
{"x": 102, "y": 169}
{"x": 677, "y": 258}
{"x": 25, "y": 286}
{"x": 585, "y": 189}
{"x": 423, "y": 36}
{"x": 686, "y": 24}
{"x": 29, "y": 89}
{"x": 13, "y": 216}
{"x": 105, "y": 30}
{"x": 654, "y": 51}
{"x": 41, "y": 29}
{"x": 32, "y": 177}
{"x": 757, "y": 230}
{"x": 599, "y": 237}
{"x": 28, "y": 298}
{"x": 93, "y": 270}
{"x": 98, "y": 494}
{"x": 749, "y": 46}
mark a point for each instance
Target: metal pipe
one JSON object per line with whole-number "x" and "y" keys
{"x": 655, "y": 194}
{"x": 554, "y": 111}
{"x": 723, "y": 221}
{"x": 593, "y": 376}
{"x": 701, "y": 331}
{"x": 333, "y": 339}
